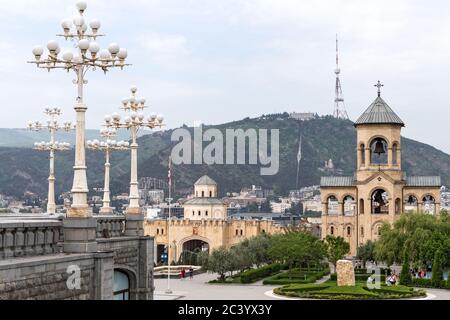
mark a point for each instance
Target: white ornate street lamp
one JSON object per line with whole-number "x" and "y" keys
{"x": 88, "y": 56}
{"x": 133, "y": 122}
{"x": 107, "y": 146}
{"x": 52, "y": 146}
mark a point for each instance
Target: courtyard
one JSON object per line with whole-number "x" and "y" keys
{"x": 197, "y": 288}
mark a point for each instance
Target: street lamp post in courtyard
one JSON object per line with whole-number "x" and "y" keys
{"x": 107, "y": 146}
{"x": 80, "y": 227}
{"x": 51, "y": 146}
{"x": 133, "y": 122}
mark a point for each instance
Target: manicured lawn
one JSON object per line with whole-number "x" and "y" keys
{"x": 330, "y": 290}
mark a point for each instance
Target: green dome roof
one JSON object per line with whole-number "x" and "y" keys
{"x": 379, "y": 113}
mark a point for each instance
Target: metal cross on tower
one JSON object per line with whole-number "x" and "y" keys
{"x": 339, "y": 107}
{"x": 379, "y": 85}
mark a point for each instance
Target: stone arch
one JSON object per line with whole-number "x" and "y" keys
{"x": 349, "y": 204}
{"x": 378, "y": 158}
{"x": 332, "y": 204}
{"x": 348, "y": 229}
{"x": 119, "y": 292}
{"x": 331, "y": 229}
{"x": 396, "y": 153}
{"x": 411, "y": 202}
{"x": 376, "y": 227}
{"x": 428, "y": 203}
{"x": 379, "y": 201}
{"x": 361, "y": 206}
{"x": 182, "y": 243}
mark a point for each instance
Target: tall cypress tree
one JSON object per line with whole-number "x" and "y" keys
{"x": 405, "y": 275}
{"x": 437, "y": 276}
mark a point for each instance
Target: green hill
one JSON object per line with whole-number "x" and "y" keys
{"x": 323, "y": 138}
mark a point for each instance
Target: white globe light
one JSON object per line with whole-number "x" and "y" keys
{"x": 113, "y": 142}
{"x": 113, "y": 48}
{"x": 58, "y": 50}
{"x": 83, "y": 44}
{"x": 78, "y": 21}
{"x": 142, "y": 101}
{"x": 96, "y": 142}
{"x": 84, "y": 27}
{"x": 153, "y": 116}
{"x": 122, "y": 54}
{"x": 102, "y": 144}
{"x": 125, "y": 100}
{"x": 66, "y": 24}
{"x": 132, "y": 100}
{"x": 95, "y": 24}
{"x": 127, "y": 119}
{"x": 105, "y": 55}
{"x": 116, "y": 116}
{"x": 38, "y": 51}
{"x": 133, "y": 115}
{"x": 52, "y": 45}
{"x": 36, "y": 144}
{"x": 89, "y": 142}
{"x": 81, "y": 5}
{"x": 141, "y": 116}
{"x": 160, "y": 118}
{"x": 67, "y": 56}
{"x": 77, "y": 59}
{"x": 133, "y": 89}
{"x": 94, "y": 47}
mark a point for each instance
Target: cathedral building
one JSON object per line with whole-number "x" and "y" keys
{"x": 205, "y": 226}
{"x": 354, "y": 207}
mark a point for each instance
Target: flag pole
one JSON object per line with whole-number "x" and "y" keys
{"x": 169, "y": 199}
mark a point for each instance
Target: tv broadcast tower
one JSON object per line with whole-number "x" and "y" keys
{"x": 339, "y": 107}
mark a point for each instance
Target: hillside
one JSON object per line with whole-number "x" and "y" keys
{"x": 323, "y": 138}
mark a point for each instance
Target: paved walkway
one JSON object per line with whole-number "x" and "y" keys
{"x": 198, "y": 289}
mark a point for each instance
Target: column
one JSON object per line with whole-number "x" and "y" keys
{"x": 106, "y": 209}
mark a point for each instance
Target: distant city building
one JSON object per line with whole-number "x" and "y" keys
{"x": 302, "y": 116}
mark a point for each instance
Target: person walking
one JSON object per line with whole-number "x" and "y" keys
{"x": 183, "y": 273}
{"x": 191, "y": 272}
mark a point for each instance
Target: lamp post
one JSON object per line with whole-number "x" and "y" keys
{"x": 52, "y": 146}
{"x": 77, "y": 31}
{"x": 133, "y": 122}
{"x": 107, "y": 146}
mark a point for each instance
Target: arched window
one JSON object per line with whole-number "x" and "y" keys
{"x": 429, "y": 204}
{"x": 379, "y": 230}
{"x": 380, "y": 202}
{"x": 361, "y": 206}
{"x": 237, "y": 232}
{"x": 121, "y": 289}
{"x": 193, "y": 212}
{"x": 206, "y": 213}
{"x": 263, "y": 231}
{"x": 332, "y": 230}
{"x": 199, "y": 212}
{"x": 157, "y": 231}
{"x": 362, "y": 231}
{"x": 332, "y": 205}
{"x": 349, "y": 231}
{"x": 203, "y": 194}
{"x": 378, "y": 151}
{"x": 398, "y": 206}
{"x": 349, "y": 206}
{"x": 412, "y": 204}
{"x": 362, "y": 150}
{"x": 241, "y": 232}
{"x": 210, "y": 194}
{"x": 162, "y": 231}
{"x": 395, "y": 154}
{"x": 196, "y": 193}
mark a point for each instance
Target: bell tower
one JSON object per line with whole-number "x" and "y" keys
{"x": 379, "y": 140}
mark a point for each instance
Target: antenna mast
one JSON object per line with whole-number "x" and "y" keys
{"x": 339, "y": 107}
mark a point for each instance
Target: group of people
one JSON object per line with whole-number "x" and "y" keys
{"x": 392, "y": 279}
{"x": 418, "y": 273}
{"x": 190, "y": 273}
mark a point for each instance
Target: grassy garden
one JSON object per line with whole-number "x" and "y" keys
{"x": 330, "y": 290}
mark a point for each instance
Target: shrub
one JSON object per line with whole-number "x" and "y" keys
{"x": 436, "y": 278}
{"x": 253, "y": 275}
{"x": 427, "y": 283}
{"x": 405, "y": 276}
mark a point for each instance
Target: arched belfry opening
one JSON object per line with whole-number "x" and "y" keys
{"x": 378, "y": 151}
{"x": 380, "y": 202}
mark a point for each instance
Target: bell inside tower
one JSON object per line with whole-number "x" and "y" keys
{"x": 378, "y": 150}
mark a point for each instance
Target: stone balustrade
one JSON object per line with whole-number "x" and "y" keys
{"x": 110, "y": 226}
{"x": 29, "y": 237}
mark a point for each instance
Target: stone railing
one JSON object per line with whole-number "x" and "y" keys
{"x": 109, "y": 226}
{"x": 29, "y": 237}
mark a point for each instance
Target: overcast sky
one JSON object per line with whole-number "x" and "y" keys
{"x": 221, "y": 60}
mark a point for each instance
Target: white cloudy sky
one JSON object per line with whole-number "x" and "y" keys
{"x": 222, "y": 60}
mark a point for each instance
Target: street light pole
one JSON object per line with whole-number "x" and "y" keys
{"x": 52, "y": 146}
{"x": 134, "y": 122}
{"x": 80, "y": 64}
{"x": 108, "y": 146}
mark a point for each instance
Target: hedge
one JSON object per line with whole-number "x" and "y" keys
{"x": 296, "y": 277}
{"x": 253, "y": 275}
{"x": 427, "y": 283}
{"x": 359, "y": 277}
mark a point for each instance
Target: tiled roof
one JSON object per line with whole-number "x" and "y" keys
{"x": 205, "y": 180}
{"x": 204, "y": 201}
{"x": 336, "y": 182}
{"x": 379, "y": 112}
{"x": 425, "y": 181}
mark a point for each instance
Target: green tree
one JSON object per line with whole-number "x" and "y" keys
{"x": 241, "y": 258}
{"x": 405, "y": 275}
{"x": 258, "y": 247}
{"x": 365, "y": 252}
{"x": 336, "y": 248}
{"x": 219, "y": 262}
{"x": 252, "y": 207}
{"x": 296, "y": 247}
{"x": 437, "y": 276}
